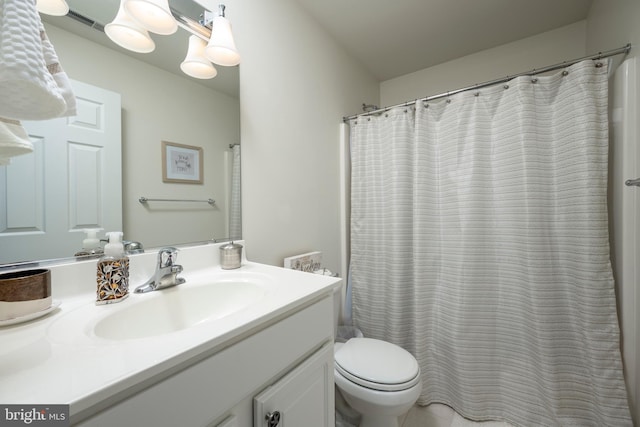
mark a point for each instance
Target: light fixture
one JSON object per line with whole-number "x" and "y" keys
{"x": 52, "y": 7}
{"x": 127, "y": 33}
{"x": 195, "y": 64}
{"x": 135, "y": 18}
{"x": 221, "y": 48}
{"x": 154, "y": 15}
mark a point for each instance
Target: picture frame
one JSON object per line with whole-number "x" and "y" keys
{"x": 182, "y": 163}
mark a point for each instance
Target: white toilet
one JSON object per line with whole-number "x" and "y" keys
{"x": 378, "y": 379}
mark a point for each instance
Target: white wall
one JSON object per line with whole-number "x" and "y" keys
{"x": 611, "y": 25}
{"x": 157, "y": 106}
{"x": 295, "y": 86}
{"x": 537, "y": 51}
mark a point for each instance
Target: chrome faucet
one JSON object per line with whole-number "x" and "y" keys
{"x": 166, "y": 274}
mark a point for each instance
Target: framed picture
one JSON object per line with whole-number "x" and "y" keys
{"x": 181, "y": 163}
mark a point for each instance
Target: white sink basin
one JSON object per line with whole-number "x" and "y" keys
{"x": 177, "y": 308}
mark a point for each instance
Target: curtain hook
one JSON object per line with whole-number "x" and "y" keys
{"x": 534, "y": 80}
{"x": 565, "y": 73}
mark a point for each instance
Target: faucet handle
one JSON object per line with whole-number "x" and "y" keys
{"x": 167, "y": 256}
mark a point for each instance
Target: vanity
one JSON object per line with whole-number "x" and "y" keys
{"x": 231, "y": 348}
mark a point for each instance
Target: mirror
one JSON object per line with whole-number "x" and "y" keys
{"x": 158, "y": 103}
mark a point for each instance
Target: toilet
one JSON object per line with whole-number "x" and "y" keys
{"x": 378, "y": 379}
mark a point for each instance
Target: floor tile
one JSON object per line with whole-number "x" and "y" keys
{"x": 428, "y": 416}
{"x": 438, "y": 415}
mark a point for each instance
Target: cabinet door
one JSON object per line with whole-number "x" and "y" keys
{"x": 303, "y": 397}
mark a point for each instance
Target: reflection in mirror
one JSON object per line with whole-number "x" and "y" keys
{"x": 158, "y": 103}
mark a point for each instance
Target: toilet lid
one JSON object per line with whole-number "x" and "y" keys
{"x": 377, "y": 364}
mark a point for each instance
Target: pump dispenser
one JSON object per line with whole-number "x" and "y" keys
{"x": 113, "y": 271}
{"x": 91, "y": 243}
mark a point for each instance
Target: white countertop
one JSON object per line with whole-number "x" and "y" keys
{"x": 57, "y": 359}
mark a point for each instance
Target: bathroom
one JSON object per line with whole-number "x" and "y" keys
{"x": 280, "y": 203}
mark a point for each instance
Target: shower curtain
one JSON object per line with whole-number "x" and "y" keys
{"x": 235, "y": 205}
{"x": 479, "y": 243}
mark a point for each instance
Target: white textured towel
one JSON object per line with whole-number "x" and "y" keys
{"x": 60, "y": 77}
{"x": 29, "y": 91}
{"x": 14, "y": 140}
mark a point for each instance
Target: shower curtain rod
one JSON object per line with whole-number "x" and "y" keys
{"x": 625, "y": 49}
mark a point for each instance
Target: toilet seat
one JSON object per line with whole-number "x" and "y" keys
{"x": 377, "y": 365}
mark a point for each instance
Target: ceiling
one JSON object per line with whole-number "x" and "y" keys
{"x": 396, "y": 37}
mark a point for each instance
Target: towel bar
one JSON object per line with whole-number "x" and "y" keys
{"x": 144, "y": 200}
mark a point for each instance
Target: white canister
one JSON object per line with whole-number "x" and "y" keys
{"x": 230, "y": 256}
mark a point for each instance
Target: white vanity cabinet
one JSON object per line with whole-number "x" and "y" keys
{"x": 304, "y": 397}
{"x": 285, "y": 365}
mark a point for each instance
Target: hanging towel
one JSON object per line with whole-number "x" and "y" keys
{"x": 14, "y": 140}
{"x": 29, "y": 91}
{"x": 60, "y": 77}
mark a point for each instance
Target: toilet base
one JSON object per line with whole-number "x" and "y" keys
{"x": 379, "y": 415}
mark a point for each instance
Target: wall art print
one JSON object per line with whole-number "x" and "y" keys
{"x": 181, "y": 163}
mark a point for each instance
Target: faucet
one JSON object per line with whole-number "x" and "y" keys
{"x": 166, "y": 274}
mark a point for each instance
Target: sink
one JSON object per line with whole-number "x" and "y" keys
{"x": 177, "y": 308}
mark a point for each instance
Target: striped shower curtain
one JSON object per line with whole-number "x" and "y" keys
{"x": 235, "y": 205}
{"x": 479, "y": 243}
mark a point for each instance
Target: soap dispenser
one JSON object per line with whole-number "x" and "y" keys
{"x": 113, "y": 271}
{"x": 91, "y": 243}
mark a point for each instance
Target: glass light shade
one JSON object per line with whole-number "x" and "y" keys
{"x": 195, "y": 64}
{"x": 154, "y": 15}
{"x": 221, "y": 49}
{"x": 127, "y": 33}
{"x": 53, "y": 7}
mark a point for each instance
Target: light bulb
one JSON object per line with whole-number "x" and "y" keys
{"x": 195, "y": 64}
{"x": 128, "y": 34}
{"x": 52, "y": 7}
{"x": 221, "y": 48}
{"x": 154, "y": 15}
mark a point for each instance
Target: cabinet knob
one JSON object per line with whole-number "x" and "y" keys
{"x": 273, "y": 418}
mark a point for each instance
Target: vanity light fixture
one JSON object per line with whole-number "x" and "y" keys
{"x": 154, "y": 15}
{"x": 221, "y": 48}
{"x": 211, "y": 39}
{"x": 195, "y": 64}
{"x": 127, "y": 33}
{"x": 52, "y": 7}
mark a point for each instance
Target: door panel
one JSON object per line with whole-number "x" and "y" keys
{"x": 71, "y": 181}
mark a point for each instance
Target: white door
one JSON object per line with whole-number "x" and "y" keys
{"x": 72, "y": 181}
{"x": 303, "y": 397}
